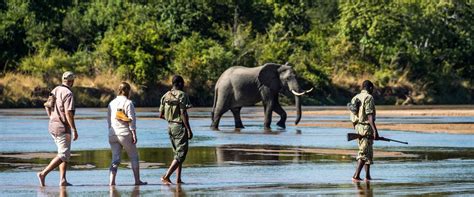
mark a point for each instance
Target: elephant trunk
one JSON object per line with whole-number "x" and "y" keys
{"x": 298, "y": 109}
{"x": 297, "y": 92}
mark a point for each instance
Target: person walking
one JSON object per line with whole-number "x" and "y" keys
{"x": 121, "y": 121}
{"x": 60, "y": 109}
{"x": 173, "y": 108}
{"x": 365, "y": 126}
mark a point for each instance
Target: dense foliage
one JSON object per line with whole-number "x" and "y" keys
{"x": 415, "y": 51}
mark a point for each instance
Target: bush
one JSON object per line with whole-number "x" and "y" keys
{"x": 200, "y": 61}
{"x": 136, "y": 51}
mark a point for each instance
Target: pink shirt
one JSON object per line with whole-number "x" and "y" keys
{"x": 64, "y": 102}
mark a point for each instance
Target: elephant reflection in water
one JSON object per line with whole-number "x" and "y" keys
{"x": 241, "y": 86}
{"x": 254, "y": 153}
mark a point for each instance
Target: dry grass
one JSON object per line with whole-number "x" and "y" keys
{"x": 18, "y": 90}
{"x": 18, "y": 87}
{"x": 104, "y": 80}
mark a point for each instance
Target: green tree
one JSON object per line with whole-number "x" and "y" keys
{"x": 200, "y": 61}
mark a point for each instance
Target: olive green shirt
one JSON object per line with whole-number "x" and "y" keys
{"x": 171, "y": 104}
{"x": 367, "y": 106}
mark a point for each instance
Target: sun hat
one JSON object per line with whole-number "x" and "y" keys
{"x": 69, "y": 76}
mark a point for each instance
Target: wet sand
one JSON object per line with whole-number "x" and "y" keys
{"x": 294, "y": 179}
{"x": 400, "y": 112}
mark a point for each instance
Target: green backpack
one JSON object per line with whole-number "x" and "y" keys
{"x": 356, "y": 108}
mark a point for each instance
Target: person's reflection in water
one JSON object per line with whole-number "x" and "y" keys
{"x": 136, "y": 191}
{"x": 364, "y": 190}
{"x": 298, "y": 131}
{"x": 52, "y": 192}
{"x": 179, "y": 191}
{"x": 115, "y": 193}
{"x": 63, "y": 191}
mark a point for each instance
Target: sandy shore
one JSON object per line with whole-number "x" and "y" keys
{"x": 452, "y": 128}
{"x": 400, "y": 112}
{"x": 32, "y": 155}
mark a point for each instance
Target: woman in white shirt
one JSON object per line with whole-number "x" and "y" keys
{"x": 122, "y": 132}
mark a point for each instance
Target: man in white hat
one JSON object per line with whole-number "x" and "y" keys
{"x": 61, "y": 126}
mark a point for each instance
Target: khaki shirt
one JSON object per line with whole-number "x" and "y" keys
{"x": 171, "y": 104}
{"x": 64, "y": 102}
{"x": 367, "y": 106}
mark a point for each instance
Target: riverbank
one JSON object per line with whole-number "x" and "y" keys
{"x": 28, "y": 91}
{"x": 404, "y": 113}
{"x": 25, "y": 91}
{"x": 425, "y": 128}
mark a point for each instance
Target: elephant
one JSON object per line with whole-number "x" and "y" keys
{"x": 243, "y": 86}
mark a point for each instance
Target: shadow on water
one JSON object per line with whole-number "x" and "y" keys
{"x": 221, "y": 156}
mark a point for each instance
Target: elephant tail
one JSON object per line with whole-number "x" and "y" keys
{"x": 214, "y": 104}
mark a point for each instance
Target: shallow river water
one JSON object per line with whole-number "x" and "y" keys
{"x": 291, "y": 161}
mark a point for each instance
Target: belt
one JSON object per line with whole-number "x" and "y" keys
{"x": 363, "y": 123}
{"x": 174, "y": 122}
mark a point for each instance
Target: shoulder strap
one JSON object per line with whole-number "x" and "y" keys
{"x": 362, "y": 106}
{"x": 62, "y": 85}
{"x": 57, "y": 109}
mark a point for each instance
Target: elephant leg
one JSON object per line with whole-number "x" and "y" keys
{"x": 238, "y": 121}
{"x": 236, "y": 113}
{"x": 218, "y": 112}
{"x": 279, "y": 110}
{"x": 268, "y": 114}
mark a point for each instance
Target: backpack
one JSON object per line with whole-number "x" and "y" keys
{"x": 356, "y": 107}
{"x": 171, "y": 99}
{"x": 51, "y": 101}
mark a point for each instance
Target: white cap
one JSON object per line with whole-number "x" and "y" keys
{"x": 69, "y": 76}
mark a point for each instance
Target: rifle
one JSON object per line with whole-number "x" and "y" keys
{"x": 353, "y": 136}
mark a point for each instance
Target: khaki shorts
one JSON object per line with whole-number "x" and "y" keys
{"x": 179, "y": 141}
{"x": 63, "y": 142}
{"x": 365, "y": 152}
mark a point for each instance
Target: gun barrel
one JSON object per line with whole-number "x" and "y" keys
{"x": 391, "y": 140}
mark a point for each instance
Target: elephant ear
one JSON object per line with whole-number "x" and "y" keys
{"x": 270, "y": 77}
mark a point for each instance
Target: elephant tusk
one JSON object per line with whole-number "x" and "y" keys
{"x": 296, "y": 93}
{"x": 308, "y": 91}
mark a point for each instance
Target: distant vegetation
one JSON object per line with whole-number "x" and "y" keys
{"x": 416, "y": 52}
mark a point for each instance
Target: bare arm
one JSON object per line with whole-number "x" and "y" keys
{"x": 109, "y": 116}
{"x": 132, "y": 124}
{"x": 162, "y": 115}
{"x": 162, "y": 109}
{"x": 134, "y": 136}
{"x": 48, "y": 111}
{"x": 185, "y": 116}
{"x": 72, "y": 124}
{"x": 372, "y": 124}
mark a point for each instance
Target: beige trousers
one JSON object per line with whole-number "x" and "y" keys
{"x": 119, "y": 142}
